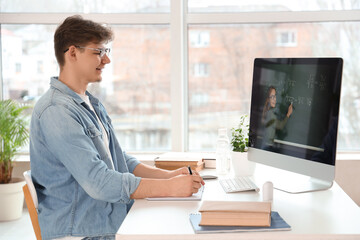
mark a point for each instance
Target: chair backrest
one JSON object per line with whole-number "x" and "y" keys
{"x": 32, "y": 203}
{"x": 29, "y": 182}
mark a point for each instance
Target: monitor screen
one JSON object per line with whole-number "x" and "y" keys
{"x": 295, "y": 110}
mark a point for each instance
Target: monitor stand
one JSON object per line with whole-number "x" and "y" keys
{"x": 290, "y": 182}
{"x": 303, "y": 186}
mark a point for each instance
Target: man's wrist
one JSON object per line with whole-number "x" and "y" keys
{"x": 153, "y": 188}
{"x": 168, "y": 174}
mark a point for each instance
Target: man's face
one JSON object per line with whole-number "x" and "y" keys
{"x": 90, "y": 64}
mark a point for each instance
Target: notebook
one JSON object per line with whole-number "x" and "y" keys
{"x": 277, "y": 224}
{"x": 195, "y": 197}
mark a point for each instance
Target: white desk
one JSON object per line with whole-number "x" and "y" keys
{"x": 329, "y": 214}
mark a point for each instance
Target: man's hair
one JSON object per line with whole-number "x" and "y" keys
{"x": 78, "y": 32}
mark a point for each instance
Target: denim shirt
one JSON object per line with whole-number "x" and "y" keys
{"x": 78, "y": 192}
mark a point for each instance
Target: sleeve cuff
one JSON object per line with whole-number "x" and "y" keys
{"x": 131, "y": 162}
{"x": 130, "y": 184}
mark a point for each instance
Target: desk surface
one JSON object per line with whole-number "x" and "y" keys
{"x": 322, "y": 213}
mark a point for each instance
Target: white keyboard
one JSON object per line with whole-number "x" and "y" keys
{"x": 238, "y": 184}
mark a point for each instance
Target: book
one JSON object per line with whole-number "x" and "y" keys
{"x": 235, "y": 213}
{"x": 210, "y": 163}
{"x": 197, "y": 168}
{"x": 277, "y": 224}
{"x": 175, "y": 160}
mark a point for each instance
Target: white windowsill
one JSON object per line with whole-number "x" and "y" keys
{"x": 348, "y": 156}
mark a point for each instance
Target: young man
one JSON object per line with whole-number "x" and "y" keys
{"x": 84, "y": 181}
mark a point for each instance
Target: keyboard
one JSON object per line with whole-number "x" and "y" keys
{"x": 238, "y": 184}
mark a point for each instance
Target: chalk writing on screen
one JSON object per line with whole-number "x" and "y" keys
{"x": 298, "y": 100}
{"x": 313, "y": 81}
{"x": 319, "y": 81}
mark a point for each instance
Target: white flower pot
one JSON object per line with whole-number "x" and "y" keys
{"x": 241, "y": 166}
{"x": 11, "y": 199}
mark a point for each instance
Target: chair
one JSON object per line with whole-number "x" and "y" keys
{"x": 32, "y": 203}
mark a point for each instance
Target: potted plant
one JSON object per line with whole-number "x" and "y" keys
{"x": 240, "y": 135}
{"x": 240, "y": 143}
{"x": 13, "y": 135}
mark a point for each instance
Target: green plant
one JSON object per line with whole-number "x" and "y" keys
{"x": 240, "y": 135}
{"x": 13, "y": 135}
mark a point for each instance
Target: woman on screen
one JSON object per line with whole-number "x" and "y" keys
{"x": 270, "y": 121}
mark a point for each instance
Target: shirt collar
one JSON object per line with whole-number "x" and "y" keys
{"x": 57, "y": 84}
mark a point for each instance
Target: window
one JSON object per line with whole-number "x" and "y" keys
{"x": 178, "y": 75}
{"x": 231, "y": 55}
{"x": 199, "y": 99}
{"x": 201, "y": 70}
{"x": 199, "y": 39}
{"x": 17, "y": 67}
{"x": 286, "y": 39}
{"x": 30, "y": 44}
{"x": 135, "y": 90}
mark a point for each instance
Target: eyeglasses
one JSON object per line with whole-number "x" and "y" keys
{"x": 102, "y": 51}
{"x": 272, "y": 96}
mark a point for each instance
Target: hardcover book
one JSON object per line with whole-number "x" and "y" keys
{"x": 235, "y": 213}
{"x": 277, "y": 224}
{"x": 175, "y": 160}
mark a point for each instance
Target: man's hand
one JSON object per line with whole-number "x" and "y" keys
{"x": 157, "y": 182}
{"x": 185, "y": 170}
{"x": 185, "y": 185}
{"x": 180, "y": 171}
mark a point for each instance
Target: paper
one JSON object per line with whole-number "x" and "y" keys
{"x": 195, "y": 197}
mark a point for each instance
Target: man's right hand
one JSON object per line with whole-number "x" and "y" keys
{"x": 185, "y": 185}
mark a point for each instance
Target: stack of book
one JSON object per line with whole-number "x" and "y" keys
{"x": 175, "y": 160}
{"x": 236, "y": 216}
{"x": 226, "y": 213}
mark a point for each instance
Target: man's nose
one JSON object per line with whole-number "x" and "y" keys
{"x": 105, "y": 59}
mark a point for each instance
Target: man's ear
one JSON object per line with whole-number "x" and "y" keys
{"x": 71, "y": 54}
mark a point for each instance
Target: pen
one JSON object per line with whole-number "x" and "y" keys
{"x": 190, "y": 170}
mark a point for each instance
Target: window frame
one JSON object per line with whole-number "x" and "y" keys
{"x": 179, "y": 20}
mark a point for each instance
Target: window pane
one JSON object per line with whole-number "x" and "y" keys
{"x": 28, "y": 60}
{"x": 218, "y": 100}
{"x": 137, "y": 94}
{"x": 136, "y": 85}
{"x": 86, "y": 6}
{"x": 273, "y": 6}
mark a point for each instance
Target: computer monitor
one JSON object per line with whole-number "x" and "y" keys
{"x": 294, "y": 119}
